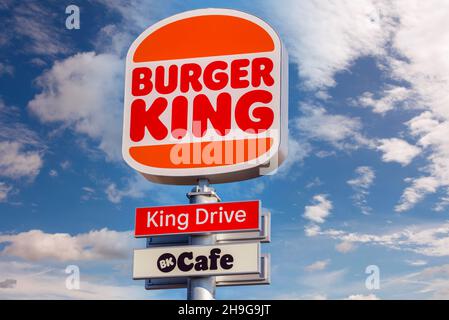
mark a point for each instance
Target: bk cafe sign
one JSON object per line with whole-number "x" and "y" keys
{"x": 206, "y": 97}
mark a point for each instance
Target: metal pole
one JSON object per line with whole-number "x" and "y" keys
{"x": 202, "y": 288}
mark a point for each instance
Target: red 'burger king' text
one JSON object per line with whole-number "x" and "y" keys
{"x": 240, "y": 88}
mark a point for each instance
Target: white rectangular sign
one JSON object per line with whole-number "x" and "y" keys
{"x": 208, "y": 260}
{"x": 263, "y": 278}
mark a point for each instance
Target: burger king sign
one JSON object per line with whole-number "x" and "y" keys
{"x": 206, "y": 97}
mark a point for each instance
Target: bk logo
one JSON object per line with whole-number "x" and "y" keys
{"x": 205, "y": 97}
{"x": 166, "y": 262}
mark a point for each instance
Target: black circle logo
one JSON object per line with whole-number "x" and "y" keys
{"x": 166, "y": 262}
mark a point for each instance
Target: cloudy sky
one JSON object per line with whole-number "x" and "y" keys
{"x": 366, "y": 182}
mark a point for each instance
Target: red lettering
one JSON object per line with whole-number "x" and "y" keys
{"x": 190, "y": 74}
{"x": 142, "y": 119}
{"x": 221, "y": 78}
{"x": 160, "y": 80}
{"x": 179, "y": 117}
{"x": 261, "y": 69}
{"x": 263, "y": 113}
{"x": 237, "y": 73}
{"x": 252, "y": 112}
{"x": 203, "y": 112}
{"x": 141, "y": 82}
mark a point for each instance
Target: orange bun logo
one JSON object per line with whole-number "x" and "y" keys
{"x": 206, "y": 97}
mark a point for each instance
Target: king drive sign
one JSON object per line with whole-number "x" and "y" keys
{"x": 206, "y": 97}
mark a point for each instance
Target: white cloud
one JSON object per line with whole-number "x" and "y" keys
{"x": 300, "y": 296}
{"x": 416, "y": 263}
{"x": 325, "y": 153}
{"x": 422, "y": 37}
{"x": 113, "y": 39}
{"x": 397, "y": 150}
{"x": 12, "y": 128}
{"x": 256, "y": 188}
{"x": 53, "y": 173}
{"x": 416, "y": 192}
{"x": 314, "y": 183}
{"x": 421, "y": 41}
{"x": 38, "y": 25}
{"x": 361, "y": 184}
{"x": 391, "y": 97}
{"x": 8, "y": 284}
{"x": 319, "y": 211}
{"x": 88, "y": 194}
{"x": 38, "y": 62}
{"x": 433, "y": 135}
{"x": 35, "y": 245}
{"x": 324, "y": 280}
{"x": 6, "y": 69}
{"x": 134, "y": 17}
{"x": 85, "y": 92}
{"x": 114, "y": 195}
{"x": 317, "y": 296}
{"x": 345, "y": 247}
{"x": 338, "y": 130}
{"x": 88, "y": 189}
{"x": 35, "y": 281}
{"x": 21, "y": 150}
{"x": 65, "y": 164}
{"x": 370, "y": 296}
{"x": 298, "y": 150}
{"x": 4, "y": 191}
{"x": 427, "y": 240}
{"x": 134, "y": 187}
{"x": 364, "y": 179}
{"x": 443, "y": 203}
{"x": 15, "y": 162}
{"x": 312, "y": 230}
{"x": 428, "y": 283}
{"x": 432, "y": 132}
{"x": 137, "y": 15}
{"x": 318, "y": 265}
{"x": 409, "y": 41}
{"x": 325, "y": 37}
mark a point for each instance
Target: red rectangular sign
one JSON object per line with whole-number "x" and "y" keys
{"x": 198, "y": 218}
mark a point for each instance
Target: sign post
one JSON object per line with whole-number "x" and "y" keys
{"x": 205, "y": 102}
{"x": 202, "y": 288}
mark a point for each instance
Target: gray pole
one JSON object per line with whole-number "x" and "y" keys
{"x": 202, "y": 288}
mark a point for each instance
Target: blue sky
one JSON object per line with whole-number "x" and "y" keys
{"x": 366, "y": 181}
